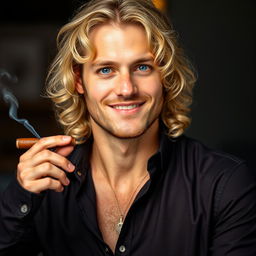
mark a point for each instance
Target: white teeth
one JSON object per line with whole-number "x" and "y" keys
{"x": 126, "y": 107}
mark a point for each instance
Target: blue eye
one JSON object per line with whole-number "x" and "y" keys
{"x": 105, "y": 71}
{"x": 143, "y": 67}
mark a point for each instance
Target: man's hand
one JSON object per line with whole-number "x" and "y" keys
{"x": 40, "y": 169}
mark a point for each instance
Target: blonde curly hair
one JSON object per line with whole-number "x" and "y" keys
{"x": 75, "y": 49}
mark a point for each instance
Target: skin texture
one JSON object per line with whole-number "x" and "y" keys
{"x": 39, "y": 168}
{"x": 123, "y": 73}
{"x": 124, "y": 96}
{"x": 123, "y": 93}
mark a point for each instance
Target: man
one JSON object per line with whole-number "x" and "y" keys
{"x": 134, "y": 185}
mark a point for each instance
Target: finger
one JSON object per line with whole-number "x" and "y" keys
{"x": 43, "y": 184}
{"x": 47, "y": 156}
{"x": 44, "y": 170}
{"x": 47, "y": 142}
{"x": 65, "y": 150}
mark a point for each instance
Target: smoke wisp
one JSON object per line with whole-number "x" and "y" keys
{"x": 12, "y": 101}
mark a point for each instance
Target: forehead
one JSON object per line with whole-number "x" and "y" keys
{"x": 119, "y": 41}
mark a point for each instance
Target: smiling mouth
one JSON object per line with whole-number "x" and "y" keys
{"x": 127, "y": 106}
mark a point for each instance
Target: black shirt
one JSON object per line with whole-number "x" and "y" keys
{"x": 197, "y": 202}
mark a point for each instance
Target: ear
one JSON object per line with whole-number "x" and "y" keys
{"x": 78, "y": 80}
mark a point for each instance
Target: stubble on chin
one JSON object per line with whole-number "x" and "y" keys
{"x": 111, "y": 131}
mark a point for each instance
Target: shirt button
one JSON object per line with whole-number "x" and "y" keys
{"x": 24, "y": 208}
{"x": 122, "y": 248}
{"x": 79, "y": 173}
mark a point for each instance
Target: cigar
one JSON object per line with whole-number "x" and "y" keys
{"x": 26, "y": 143}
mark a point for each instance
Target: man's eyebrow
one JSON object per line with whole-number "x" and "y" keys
{"x": 112, "y": 63}
{"x": 142, "y": 60}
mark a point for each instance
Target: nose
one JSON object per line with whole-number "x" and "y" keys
{"x": 126, "y": 86}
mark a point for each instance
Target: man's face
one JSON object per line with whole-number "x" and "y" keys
{"x": 122, "y": 85}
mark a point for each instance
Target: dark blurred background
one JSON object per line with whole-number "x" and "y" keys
{"x": 218, "y": 36}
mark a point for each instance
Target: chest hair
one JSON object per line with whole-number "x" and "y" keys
{"x": 108, "y": 215}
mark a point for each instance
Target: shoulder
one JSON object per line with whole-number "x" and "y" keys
{"x": 222, "y": 176}
{"x": 204, "y": 158}
{"x": 211, "y": 169}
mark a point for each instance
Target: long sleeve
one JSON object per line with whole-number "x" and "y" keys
{"x": 235, "y": 222}
{"x": 17, "y": 209}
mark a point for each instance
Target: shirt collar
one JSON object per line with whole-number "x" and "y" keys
{"x": 161, "y": 159}
{"x": 80, "y": 157}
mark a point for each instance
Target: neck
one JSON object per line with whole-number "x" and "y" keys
{"x": 123, "y": 160}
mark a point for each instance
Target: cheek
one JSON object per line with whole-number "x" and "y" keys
{"x": 154, "y": 88}
{"x": 97, "y": 90}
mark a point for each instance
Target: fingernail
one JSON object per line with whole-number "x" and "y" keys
{"x": 61, "y": 189}
{"x": 67, "y": 181}
{"x": 66, "y": 138}
{"x": 71, "y": 167}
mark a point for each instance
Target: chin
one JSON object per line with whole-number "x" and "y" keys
{"x": 130, "y": 132}
{"x": 128, "y": 135}
{"x": 125, "y": 130}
